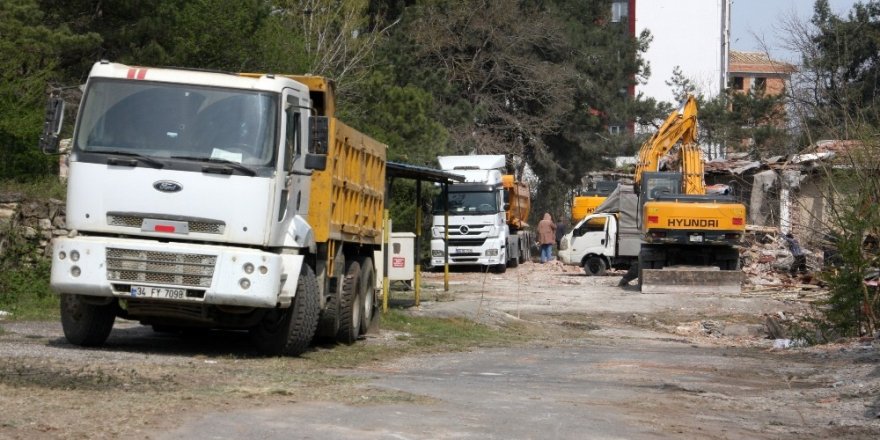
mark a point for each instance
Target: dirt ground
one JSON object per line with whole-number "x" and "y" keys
{"x": 602, "y": 360}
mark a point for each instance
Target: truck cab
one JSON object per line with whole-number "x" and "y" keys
{"x": 592, "y": 244}
{"x": 477, "y": 231}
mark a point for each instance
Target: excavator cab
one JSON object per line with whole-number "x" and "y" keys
{"x": 659, "y": 184}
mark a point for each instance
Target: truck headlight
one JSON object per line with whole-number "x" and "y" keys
{"x": 563, "y": 244}
{"x": 491, "y": 252}
{"x": 436, "y": 253}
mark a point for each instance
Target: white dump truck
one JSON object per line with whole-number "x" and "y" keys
{"x": 486, "y": 216}
{"x": 216, "y": 200}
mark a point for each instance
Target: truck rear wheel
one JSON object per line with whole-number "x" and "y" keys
{"x": 351, "y": 305}
{"x": 595, "y": 266}
{"x": 290, "y": 331}
{"x": 368, "y": 293}
{"x": 84, "y": 323}
{"x": 513, "y": 262}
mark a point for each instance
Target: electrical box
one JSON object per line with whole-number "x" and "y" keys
{"x": 401, "y": 256}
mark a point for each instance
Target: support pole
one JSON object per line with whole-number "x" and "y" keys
{"x": 446, "y": 237}
{"x": 418, "y": 248}
{"x": 386, "y": 291}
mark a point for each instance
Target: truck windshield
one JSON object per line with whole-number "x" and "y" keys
{"x": 483, "y": 202}
{"x": 161, "y": 120}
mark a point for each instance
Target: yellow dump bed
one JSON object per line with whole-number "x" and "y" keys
{"x": 519, "y": 199}
{"x": 348, "y": 197}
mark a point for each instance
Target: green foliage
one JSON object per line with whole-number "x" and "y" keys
{"x": 842, "y": 70}
{"x": 853, "y": 307}
{"x": 399, "y": 116}
{"x": 38, "y": 188}
{"x": 29, "y": 54}
{"x": 24, "y": 279}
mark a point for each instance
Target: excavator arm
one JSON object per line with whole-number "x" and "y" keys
{"x": 680, "y": 125}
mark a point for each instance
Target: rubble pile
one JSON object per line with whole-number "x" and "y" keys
{"x": 766, "y": 261}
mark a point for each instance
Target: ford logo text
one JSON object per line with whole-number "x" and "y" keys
{"x": 167, "y": 186}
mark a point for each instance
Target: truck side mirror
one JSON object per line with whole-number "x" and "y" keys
{"x": 319, "y": 134}
{"x": 52, "y": 123}
{"x": 506, "y": 206}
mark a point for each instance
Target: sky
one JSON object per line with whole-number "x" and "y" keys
{"x": 754, "y": 19}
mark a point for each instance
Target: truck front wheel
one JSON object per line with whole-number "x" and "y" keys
{"x": 290, "y": 331}
{"x": 86, "y": 323}
{"x": 595, "y": 266}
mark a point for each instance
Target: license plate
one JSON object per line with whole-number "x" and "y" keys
{"x": 157, "y": 292}
{"x": 464, "y": 251}
{"x": 696, "y": 238}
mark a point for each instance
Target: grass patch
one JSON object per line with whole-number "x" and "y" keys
{"x": 42, "y": 187}
{"x": 25, "y": 293}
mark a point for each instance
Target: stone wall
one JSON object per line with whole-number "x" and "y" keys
{"x": 26, "y": 221}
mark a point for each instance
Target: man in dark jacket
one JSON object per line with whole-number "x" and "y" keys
{"x": 560, "y": 232}
{"x": 800, "y": 259}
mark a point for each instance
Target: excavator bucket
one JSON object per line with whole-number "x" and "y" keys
{"x": 677, "y": 279}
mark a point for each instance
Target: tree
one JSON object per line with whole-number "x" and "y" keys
{"x": 209, "y": 34}
{"x": 29, "y": 54}
{"x": 837, "y": 90}
{"x": 737, "y": 121}
{"x": 835, "y": 96}
{"x": 541, "y": 81}
{"x": 333, "y": 38}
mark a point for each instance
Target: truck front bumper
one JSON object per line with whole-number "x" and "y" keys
{"x": 567, "y": 258}
{"x": 182, "y": 272}
{"x": 491, "y": 253}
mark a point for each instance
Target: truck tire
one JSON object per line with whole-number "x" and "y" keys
{"x": 368, "y": 294}
{"x": 595, "y": 266}
{"x": 85, "y": 324}
{"x": 290, "y": 331}
{"x": 513, "y": 262}
{"x": 351, "y": 305}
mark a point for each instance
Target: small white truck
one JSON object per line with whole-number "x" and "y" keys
{"x": 486, "y": 216}
{"x": 609, "y": 237}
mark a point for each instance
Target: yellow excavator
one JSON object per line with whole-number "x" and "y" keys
{"x": 690, "y": 238}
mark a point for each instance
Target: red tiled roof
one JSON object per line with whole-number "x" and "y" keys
{"x": 757, "y": 62}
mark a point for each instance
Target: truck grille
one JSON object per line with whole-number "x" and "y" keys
{"x": 131, "y": 265}
{"x": 475, "y": 242}
{"x": 134, "y": 221}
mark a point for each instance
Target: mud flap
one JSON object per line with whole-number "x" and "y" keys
{"x": 292, "y": 265}
{"x": 676, "y": 279}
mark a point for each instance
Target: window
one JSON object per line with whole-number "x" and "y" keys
{"x": 760, "y": 83}
{"x": 292, "y": 146}
{"x": 736, "y": 83}
{"x": 619, "y": 11}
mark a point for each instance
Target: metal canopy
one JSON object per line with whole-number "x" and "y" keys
{"x": 406, "y": 171}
